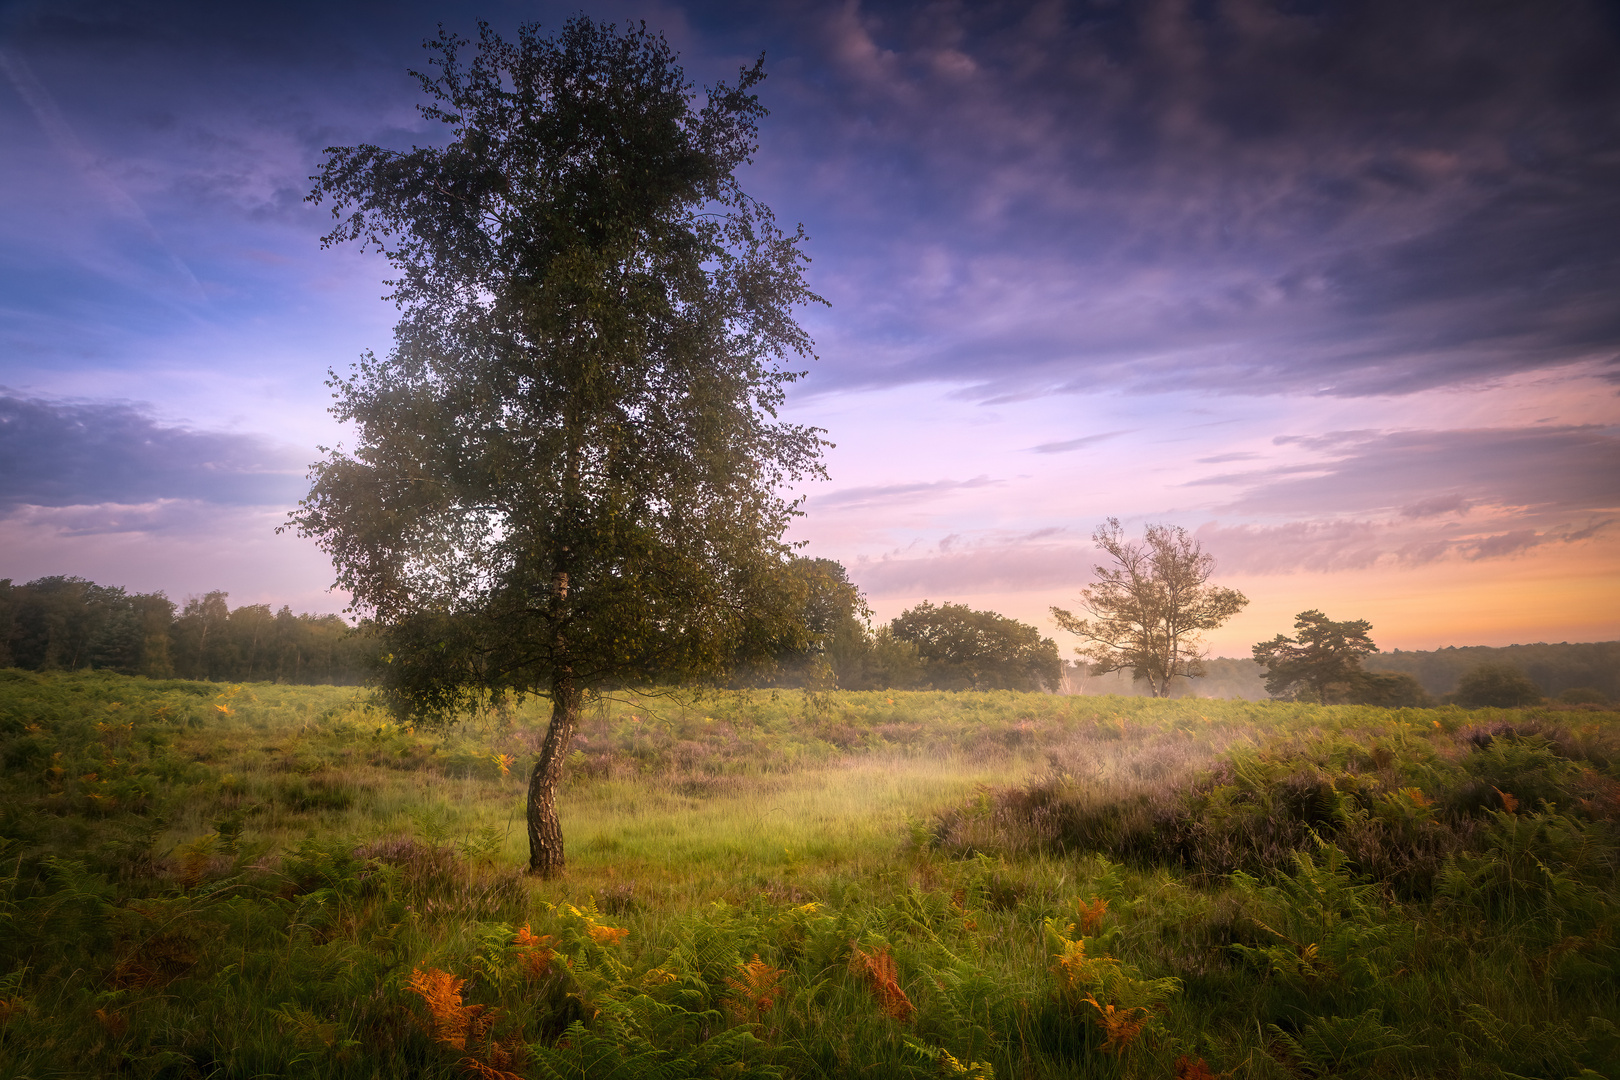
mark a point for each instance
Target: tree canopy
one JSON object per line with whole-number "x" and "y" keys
{"x": 834, "y": 616}
{"x": 1150, "y": 607}
{"x": 567, "y": 468}
{"x": 1322, "y": 662}
{"x": 67, "y": 623}
{"x": 964, "y": 649}
{"x": 1499, "y": 685}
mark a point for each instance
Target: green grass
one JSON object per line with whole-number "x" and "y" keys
{"x": 201, "y": 880}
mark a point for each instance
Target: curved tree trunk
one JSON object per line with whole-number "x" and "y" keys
{"x": 545, "y": 831}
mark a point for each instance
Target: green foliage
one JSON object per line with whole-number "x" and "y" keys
{"x": 834, "y": 615}
{"x": 69, "y": 624}
{"x": 1392, "y": 690}
{"x": 1341, "y": 1045}
{"x": 1554, "y": 667}
{"x": 1322, "y": 663}
{"x": 963, "y": 649}
{"x": 1496, "y": 685}
{"x": 199, "y": 921}
{"x": 1331, "y": 933}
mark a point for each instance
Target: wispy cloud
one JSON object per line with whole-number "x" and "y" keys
{"x": 1066, "y": 445}
{"x": 1380, "y": 544}
{"x": 67, "y": 143}
{"x": 891, "y": 495}
{"x": 1426, "y": 473}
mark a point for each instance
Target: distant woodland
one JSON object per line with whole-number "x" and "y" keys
{"x": 1554, "y": 668}
{"x": 68, "y": 624}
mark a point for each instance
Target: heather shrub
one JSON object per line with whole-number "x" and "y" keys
{"x": 910, "y": 885}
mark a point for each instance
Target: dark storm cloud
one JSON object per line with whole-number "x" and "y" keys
{"x": 1332, "y": 198}
{"x": 77, "y": 455}
{"x": 1547, "y": 470}
{"x": 1344, "y": 198}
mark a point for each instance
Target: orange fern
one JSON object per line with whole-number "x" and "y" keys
{"x": 536, "y": 952}
{"x": 474, "y": 1067}
{"x": 453, "y": 1022}
{"x": 1076, "y": 971}
{"x": 1195, "y": 1069}
{"x": 1091, "y": 915}
{"x": 1509, "y": 802}
{"x": 879, "y": 971}
{"x": 757, "y": 990}
{"x": 114, "y": 1023}
{"x": 1416, "y": 797}
{"x": 1121, "y": 1025}
{"x": 606, "y": 936}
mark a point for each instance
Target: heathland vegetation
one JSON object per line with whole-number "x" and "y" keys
{"x": 565, "y": 488}
{"x": 202, "y": 879}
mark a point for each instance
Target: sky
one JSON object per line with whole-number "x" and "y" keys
{"x": 1333, "y": 286}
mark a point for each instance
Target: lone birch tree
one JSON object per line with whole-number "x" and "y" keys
{"x": 566, "y": 470}
{"x": 1149, "y": 608}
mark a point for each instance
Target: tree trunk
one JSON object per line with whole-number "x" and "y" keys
{"x": 545, "y": 831}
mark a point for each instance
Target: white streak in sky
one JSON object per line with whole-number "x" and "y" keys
{"x": 67, "y": 143}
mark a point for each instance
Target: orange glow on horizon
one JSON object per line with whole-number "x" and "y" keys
{"x": 1566, "y": 593}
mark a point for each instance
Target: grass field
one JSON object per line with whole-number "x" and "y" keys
{"x": 199, "y": 880}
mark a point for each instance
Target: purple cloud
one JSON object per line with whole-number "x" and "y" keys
{"x": 1553, "y": 468}
{"x": 56, "y": 454}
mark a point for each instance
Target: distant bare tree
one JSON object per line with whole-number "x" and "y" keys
{"x": 1149, "y": 608}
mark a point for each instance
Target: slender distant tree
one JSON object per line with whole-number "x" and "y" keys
{"x": 1321, "y": 662}
{"x": 567, "y": 470}
{"x": 202, "y": 645}
{"x": 1150, "y": 607}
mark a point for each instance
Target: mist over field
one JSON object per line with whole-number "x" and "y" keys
{"x": 795, "y": 540}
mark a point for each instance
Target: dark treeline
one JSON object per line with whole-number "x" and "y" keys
{"x": 1554, "y": 668}
{"x": 68, "y": 623}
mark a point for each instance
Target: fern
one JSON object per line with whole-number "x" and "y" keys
{"x": 963, "y": 997}
{"x": 1331, "y": 928}
{"x": 583, "y": 1054}
{"x": 756, "y": 991}
{"x": 947, "y": 1063}
{"x": 880, "y": 973}
{"x": 1332, "y": 1045}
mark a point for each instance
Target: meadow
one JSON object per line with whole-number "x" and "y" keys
{"x": 206, "y": 880}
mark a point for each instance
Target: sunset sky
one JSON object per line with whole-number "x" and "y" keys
{"x": 1336, "y": 286}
